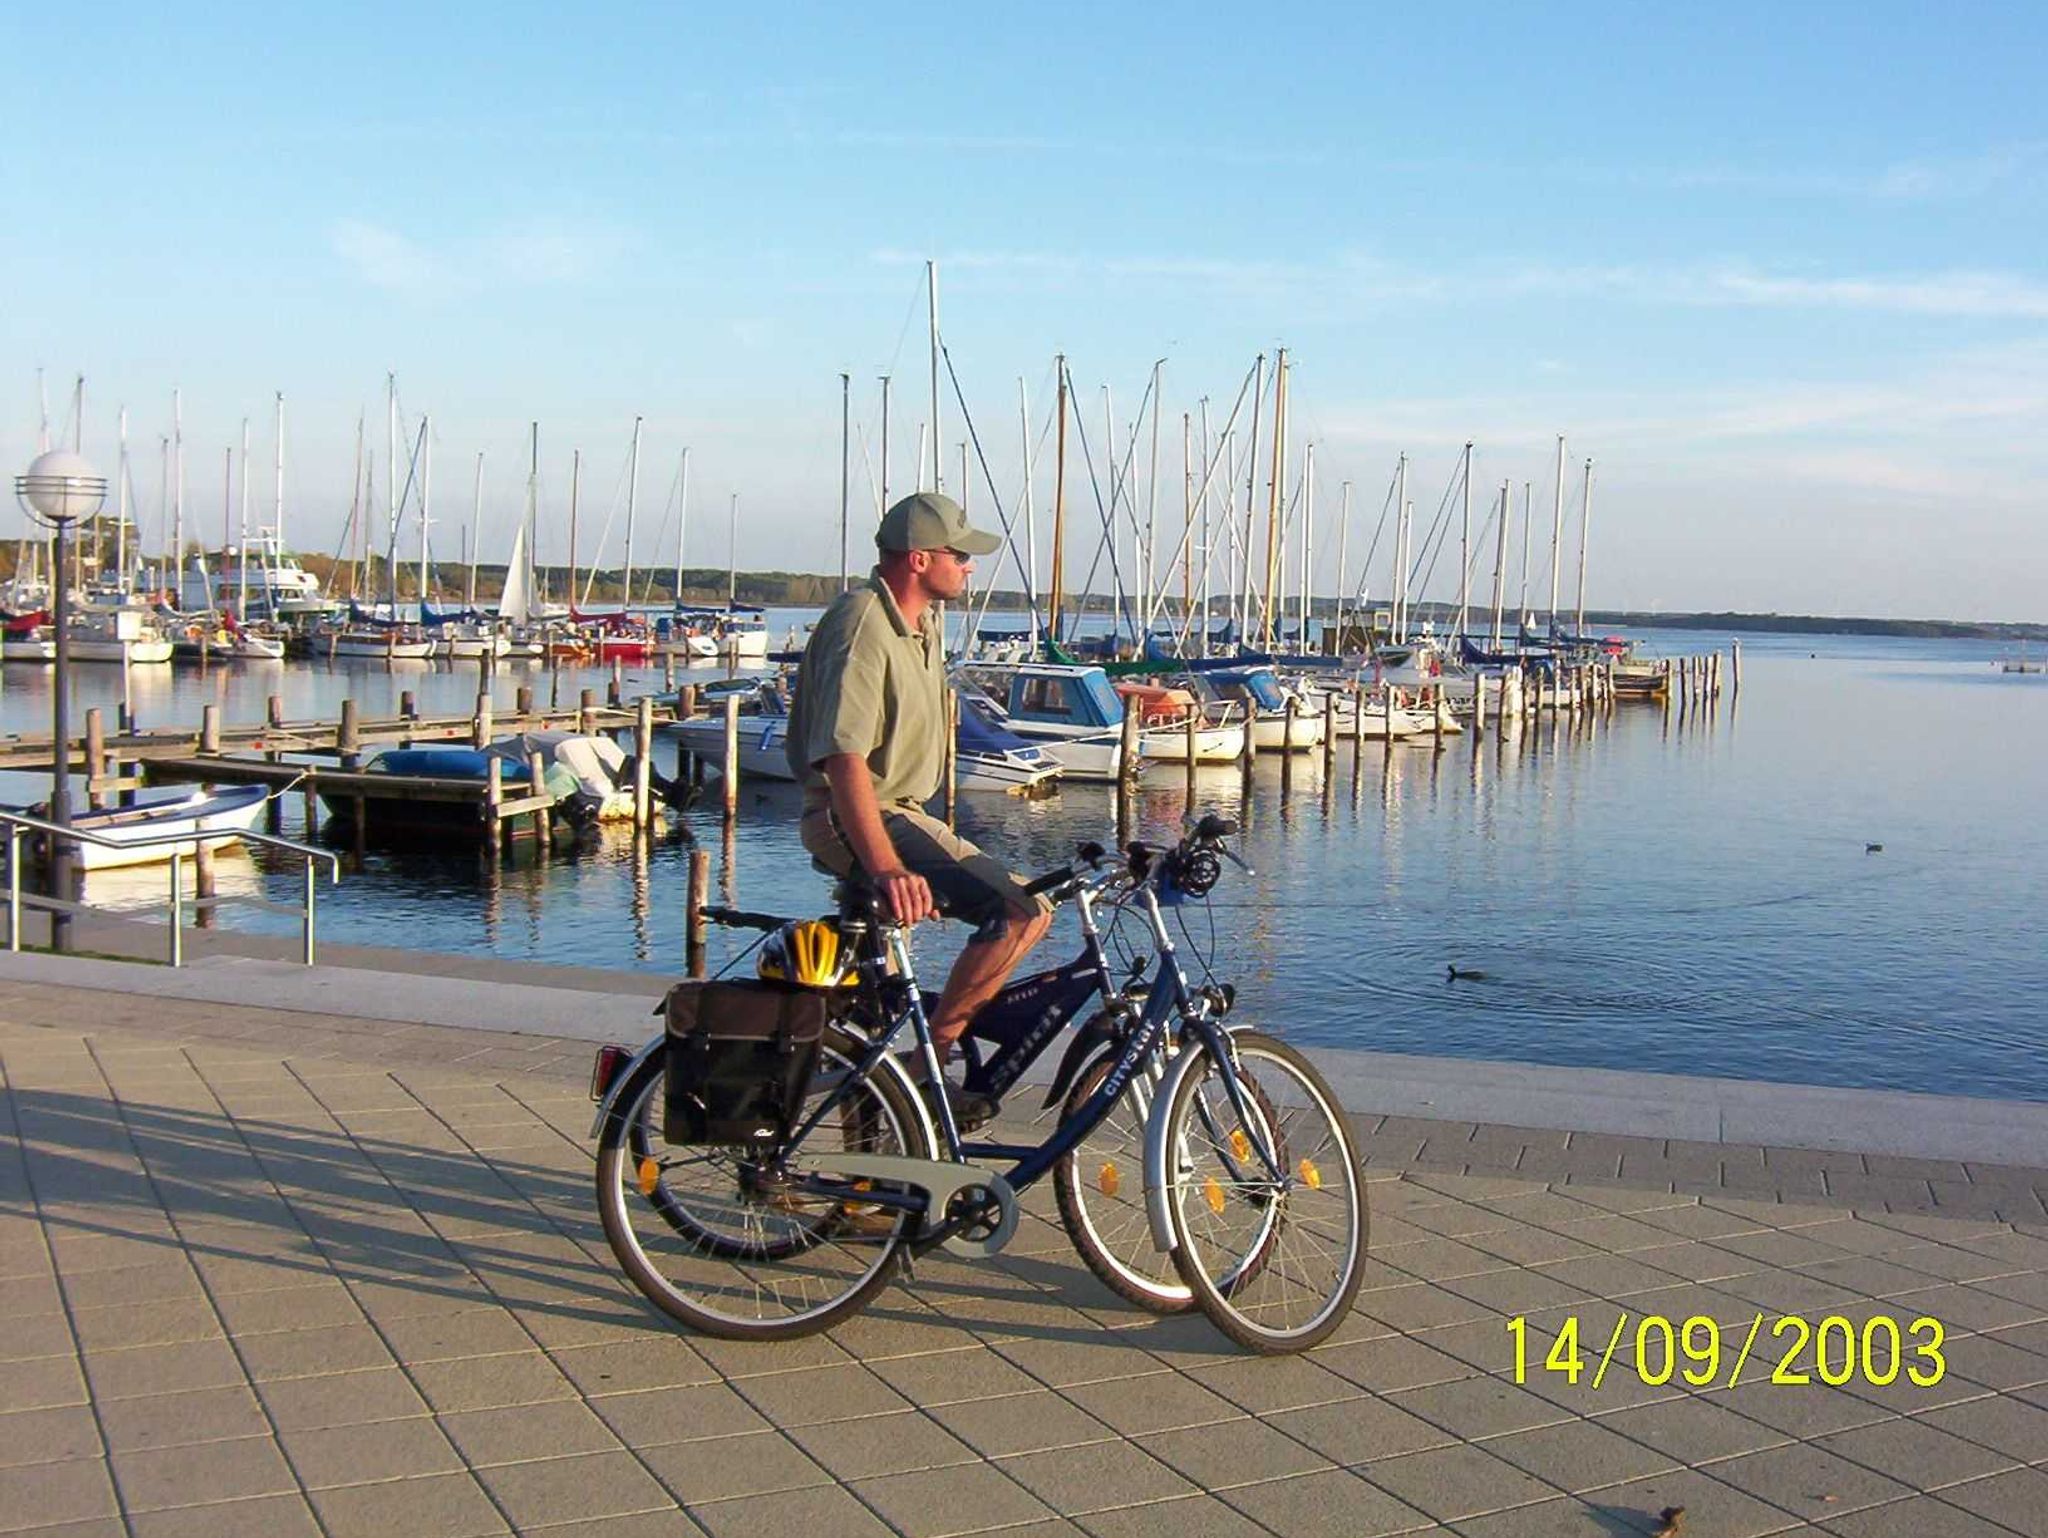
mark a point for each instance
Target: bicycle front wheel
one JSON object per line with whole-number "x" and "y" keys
{"x": 1100, "y": 1185}
{"x": 726, "y": 1257}
{"x": 1269, "y": 1208}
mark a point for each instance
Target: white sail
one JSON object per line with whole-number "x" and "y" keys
{"x": 516, "y": 606}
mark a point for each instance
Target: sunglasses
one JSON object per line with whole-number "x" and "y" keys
{"x": 960, "y": 556}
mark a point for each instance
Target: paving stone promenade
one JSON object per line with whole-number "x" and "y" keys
{"x": 271, "y": 1273}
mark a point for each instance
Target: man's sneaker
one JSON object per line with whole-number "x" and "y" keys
{"x": 971, "y": 1109}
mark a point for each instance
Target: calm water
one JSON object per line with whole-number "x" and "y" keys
{"x": 1688, "y": 896}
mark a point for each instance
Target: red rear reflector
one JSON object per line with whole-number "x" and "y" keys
{"x": 611, "y": 1060}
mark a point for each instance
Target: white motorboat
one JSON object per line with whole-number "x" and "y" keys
{"x": 126, "y": 635}
{"x": 1068, "y": 710}
{"x": 213, "y": 818}
{"x": 1258, "y": 692}
{"x": 1165, "y": 736}
{"x": 379, "y": 643}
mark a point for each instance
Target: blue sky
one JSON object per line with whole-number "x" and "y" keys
{"x": 1777, "y": 269}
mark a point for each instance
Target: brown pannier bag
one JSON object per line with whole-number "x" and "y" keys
{"x": 741, "y": 1057}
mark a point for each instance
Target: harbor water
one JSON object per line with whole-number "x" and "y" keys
{"x": 1836, "y": 878}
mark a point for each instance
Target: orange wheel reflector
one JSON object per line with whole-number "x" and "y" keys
{"x": 1212, "y": 1193}
{"x": 1109, "y": 1180}
{"x": 650, "y": 1176}
{"x": 1310, "y": 1175}
{"x": 1239, "y": 1143}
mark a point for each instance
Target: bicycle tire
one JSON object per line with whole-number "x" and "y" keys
{"x": 1274, "y": 1265}
{"x": 1100, "y": 1187}
{"x": 740, "y": 1266}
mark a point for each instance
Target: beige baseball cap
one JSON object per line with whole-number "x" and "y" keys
{"x": 931, "y": 520}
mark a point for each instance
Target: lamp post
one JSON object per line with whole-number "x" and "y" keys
{"x": 59, "y": 489}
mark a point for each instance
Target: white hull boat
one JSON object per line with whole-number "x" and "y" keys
{"x": 380, "y": 646}
{"x": 213, "y": 818}
{"x": 1213, "y": 744}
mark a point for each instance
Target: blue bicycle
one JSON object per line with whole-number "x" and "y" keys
{"x": 1196, "y": 1164}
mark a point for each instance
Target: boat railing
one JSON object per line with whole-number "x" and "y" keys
{"x": 21, "y": 823}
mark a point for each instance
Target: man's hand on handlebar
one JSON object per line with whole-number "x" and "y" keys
{"x": 906, "y": 895}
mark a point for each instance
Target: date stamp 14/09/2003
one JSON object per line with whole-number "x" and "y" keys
{"x": 1793, "y": 1350}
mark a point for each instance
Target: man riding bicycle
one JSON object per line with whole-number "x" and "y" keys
{"x": 867, "y": 742}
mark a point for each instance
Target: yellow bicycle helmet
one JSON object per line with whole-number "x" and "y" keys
{"x": 806, "y": 952}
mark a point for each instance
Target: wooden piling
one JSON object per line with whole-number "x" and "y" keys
{"x": 480, "y": 725}
{"x": 522, "y": 701}
{"x": 494, "y": 796}
{"x": 732, "y": 756}
{"x": 668, "y": 671}
{"x": 208, "y": 887}
{"x": 95, "y": 757}
{"x": 1129, "y": 745}
{"x": 1329, "y": 734}
{"x": 1286, "y": 743}
{"x": 408, "y": 705}
{"x": 586, "y": 712}
{"x": 543, "y": 817}
{"x": 686, "y": 702}
{"x": 273, "y": 713}
{"x": 643, "y": 764}
{"x": 312, "y": 812}
{"x": 700, "y": 894}
{"x": 1357, "y": 720}
{"x": 615, "y": 692}
{"x": 1192, "y": 730}
{"x": 348, "y": 736}
{"x": 1478, "y": 709}
{"x": 209, "y": 729}
{"x": 1436, "y": 720}
{"x": 1735, "y": 665}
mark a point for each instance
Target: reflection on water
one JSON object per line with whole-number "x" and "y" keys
{"x": 1684, "y": 891}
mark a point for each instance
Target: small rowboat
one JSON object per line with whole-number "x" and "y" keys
{"x": 213, "y": 818}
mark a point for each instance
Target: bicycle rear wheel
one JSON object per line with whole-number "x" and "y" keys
{"x": 1274, "y": 1262}
{"x": 1100, "y": 1185}
{"x": 729, "y": 1258}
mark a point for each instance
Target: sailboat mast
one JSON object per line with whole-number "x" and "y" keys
{"x": 885, "y": 443}
{"x": 391, "y": 488}
{"x": 1556, "y": 532}
{"x": 177, "y": 497}
{"x": 533, "y": 508}
{"x": 845, "y": 484}
{"x": 1208, "y": 473}
{"x": 575, "y": 497}
{"x": 121, "y": 511}
{"x": 1528, "y": 494}
{"x": 1500, "y": 558}
{"x": 931, "y": 283}
{"x": 1030, "y": 518}
{"x": 476, "y": 518}
{"x": 1465, "y": 547}
{"x": 1153, "y": 583}
{"x": 1585, "y": 518}
{"x": 683, "y": 519}
{"x": 426, "y": 464}
{"x": 1187, "y": 515}
{"x": 1274, "y": 484}
{"x": 632, "y": 502}
{"x": 1343, "y": 564}
{"x": 277, "y": 522}
{"x": 1059, "y": 497}
{"x": 1308, "y": 539}
{"x": 1251, "y": 491}
{"x": 732, "y": 554}
{"x": 242, "y": 545}
{"x": 227, "y": 501}
{"x": 1401, "y": 552}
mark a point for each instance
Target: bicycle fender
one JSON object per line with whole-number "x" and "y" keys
{"x": 610, "y": 1106}
{"x": 1158, "y": 1157}
{"x": 1094, "y": 1033}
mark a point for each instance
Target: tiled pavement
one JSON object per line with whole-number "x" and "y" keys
{"x": 269, "y": 1274}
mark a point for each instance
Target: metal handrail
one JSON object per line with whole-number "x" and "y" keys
{"x": 19, "y": 823}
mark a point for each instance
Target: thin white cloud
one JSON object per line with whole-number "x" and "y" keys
{"x": 524, "y": 256}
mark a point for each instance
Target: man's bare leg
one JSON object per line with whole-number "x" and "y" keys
{"x": 978, "y": 976}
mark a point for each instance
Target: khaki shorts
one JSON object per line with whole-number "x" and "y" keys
{"x": 968, "y": 885}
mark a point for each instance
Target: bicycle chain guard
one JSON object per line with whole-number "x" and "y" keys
{"x": 943, "y": 1184}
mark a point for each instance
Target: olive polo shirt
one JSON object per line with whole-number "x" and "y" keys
{"x": 871, "y": 686}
